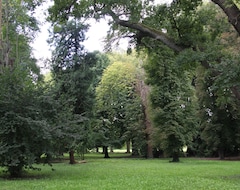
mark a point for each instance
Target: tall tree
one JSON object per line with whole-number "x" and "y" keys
{"x": 119, "y": 106}
{"x": 67, "y": 61}
{"x": 24, "y": 135}
{"x": 76, "y": 74}
{"x": 172, "y": 103}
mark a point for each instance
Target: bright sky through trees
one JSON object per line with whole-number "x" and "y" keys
{"x": 95, "y": 35}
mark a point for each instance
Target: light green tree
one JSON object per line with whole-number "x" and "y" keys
{"x": 119, "y": 106}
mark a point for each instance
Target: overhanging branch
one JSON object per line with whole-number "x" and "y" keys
{"x": 147, "y": 31}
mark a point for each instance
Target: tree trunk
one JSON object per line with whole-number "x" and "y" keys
{"x": 232, "y": 12}
{"x": 15, "y": 171}
{"x": 1, "y": 48}
{"x": 111, "y": 149}
{"x": 105, "y": 150}
{"x": 128, "y": 146}
{"x": 148, "y": 138}
{"x": 71, "y": 157}
{"x": 143, "y": 90}
{"x": 97, "y": 149}
{"x": 221, "y": 153}
{"x": 175, "y": 157}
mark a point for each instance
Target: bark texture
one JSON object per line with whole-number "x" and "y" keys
{"x": 232, "y": 12}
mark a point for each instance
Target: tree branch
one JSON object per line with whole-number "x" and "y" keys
{"x": 147, "y": 31}
{"x": 232, "y": 12}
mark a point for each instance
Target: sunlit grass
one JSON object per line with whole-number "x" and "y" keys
{"x": 129, "y": 173}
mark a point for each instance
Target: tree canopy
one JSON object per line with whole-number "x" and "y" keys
{"x": 119, "y": 105}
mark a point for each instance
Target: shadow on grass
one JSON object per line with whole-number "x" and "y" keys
{"x": 26, "y": 175}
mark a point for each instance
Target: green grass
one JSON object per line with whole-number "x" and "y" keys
{"x": 129, "y": 173}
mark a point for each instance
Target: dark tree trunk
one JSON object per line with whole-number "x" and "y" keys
{"x": 105, "y": 151}
{"x": 232, "y": 12}
{"x": 71, "y": 157}
{"x": 128, "y": 146}
{"x": 15, "y": 171}
{"x": 97, "y": 149}
{"x": 175, "y": 157}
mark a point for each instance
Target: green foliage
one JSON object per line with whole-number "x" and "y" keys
{"x": 172, "y": 103}
{"x": 119, "y": 105}
{"x": 75, "y": 77}
{"x": 24, "y": 133}
{"x": 67, "y": 39}
{"x": 219, "y": 112}
{"x": 19, "y": 28}
{"x": 200, "y": 29}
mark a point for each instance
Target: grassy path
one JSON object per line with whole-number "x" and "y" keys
{"x": 127, "y": 173}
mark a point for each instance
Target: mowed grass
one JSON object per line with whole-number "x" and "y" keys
{"x": 129, "y": 173}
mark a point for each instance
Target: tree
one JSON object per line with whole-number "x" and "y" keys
{"x": 24, "y": 134}
{"x": 19, "y": 27}
{"x": 67, "y": 62}
{"x": 119, "y": 106}
{"x": 76, "y": 74}
{"x": 141, "y": 18}
{"x": 218, "y": 114}
{"x": 172, "y": 104}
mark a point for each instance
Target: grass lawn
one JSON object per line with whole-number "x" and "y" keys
{"x": 129, "y": 173}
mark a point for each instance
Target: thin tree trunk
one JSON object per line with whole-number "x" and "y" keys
{"x": 71, "y": 157}
{"x": 128, "y": 146}
{"x": 105, "y": 150}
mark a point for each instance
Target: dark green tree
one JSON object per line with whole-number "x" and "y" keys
{"x": 24, "y": 132}
{"x": 172, "y": 104}
{"x": 219, "y": 115}
{"x": 24, "y": 135}
{"x": 76, "y": 74}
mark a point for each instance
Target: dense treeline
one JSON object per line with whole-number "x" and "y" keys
{"x": 178, "y": 88}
